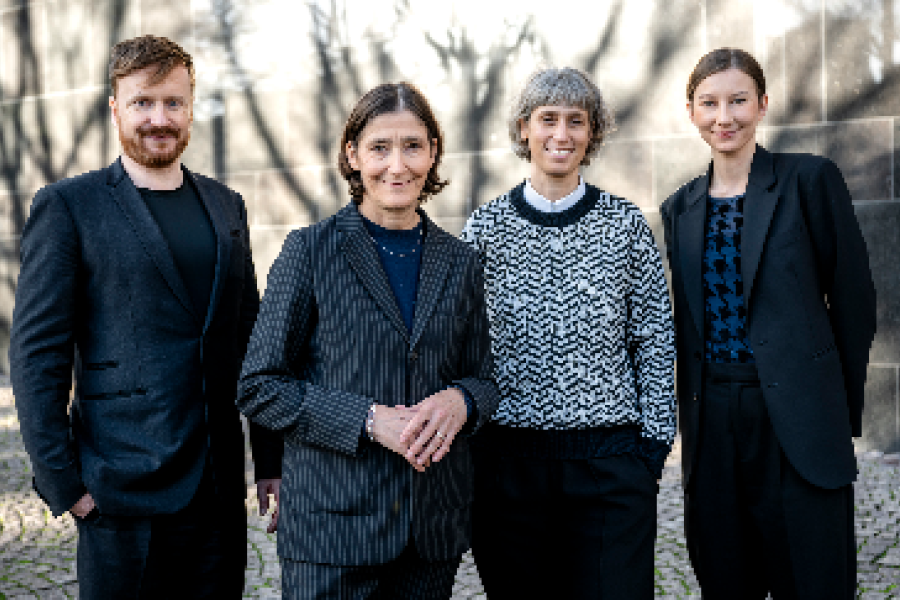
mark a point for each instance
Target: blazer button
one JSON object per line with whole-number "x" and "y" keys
{"x": 396, "y": 506}
{"x": 413, "y": 355}
{"x": 695, "y": 397}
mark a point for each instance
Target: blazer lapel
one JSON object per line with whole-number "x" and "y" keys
{"x": 759, "y": 206}
{"x": 129, "y": 200}
{"x": 213, "y": 203}
{"x": 360, "y": 250}
{"x": 432, "y": 275}
{"x": 691, "y": 240}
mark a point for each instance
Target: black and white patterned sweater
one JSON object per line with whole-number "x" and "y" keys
{"x": 581, "y": 325}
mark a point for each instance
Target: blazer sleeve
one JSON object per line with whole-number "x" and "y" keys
{"x": 843, "y": 264}
{"x": 266, "y": 446}
{"x": 273, "y": 390}
{"x": 42, "y": 343}
{"x": 477, "y": 360}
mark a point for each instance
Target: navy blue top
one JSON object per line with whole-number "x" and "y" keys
{"x": 400, "y": 251}
{"x": 723, "y": 285}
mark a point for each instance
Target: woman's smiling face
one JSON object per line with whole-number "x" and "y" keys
{"x": 726, "y": 110}
{"x": 557, "y": 137}
{"x": 393, "y": 155}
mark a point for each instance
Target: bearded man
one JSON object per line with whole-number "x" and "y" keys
{"x": 138, "y": 279}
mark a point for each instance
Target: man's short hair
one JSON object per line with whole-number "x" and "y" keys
{"x": 138, "y": 53}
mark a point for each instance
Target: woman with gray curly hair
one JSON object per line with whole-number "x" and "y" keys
{"x": 566, "y": 473}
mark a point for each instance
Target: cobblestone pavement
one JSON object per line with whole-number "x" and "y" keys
{"x": 37, "y": 552}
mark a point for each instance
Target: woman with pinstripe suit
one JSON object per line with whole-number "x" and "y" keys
{"x": 371, "y": 355}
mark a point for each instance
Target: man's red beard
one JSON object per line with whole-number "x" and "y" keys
{"x": 137, "y": 150}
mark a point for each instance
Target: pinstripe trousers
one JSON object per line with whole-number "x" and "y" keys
{"x": 407, "y": 577}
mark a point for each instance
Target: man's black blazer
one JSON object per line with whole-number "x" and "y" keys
{"x": 810, "y": 308}
{"x": 155, "y": 382}
{"x": 330, "y": 341}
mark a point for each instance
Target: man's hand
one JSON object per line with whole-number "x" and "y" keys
{"x": 81, "y": 508}
{"x": 264, "y": 487}
{"x": 389, "y": 423}
{"x": 437, "y": 420}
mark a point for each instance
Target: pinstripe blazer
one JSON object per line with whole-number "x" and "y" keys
{"x": 329, "y": 342}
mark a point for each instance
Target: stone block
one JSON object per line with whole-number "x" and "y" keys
{"x": 729, "y": 23}
{"x": 317, "y": 110}
{"x": 881, "y": 416}
{"x": 644, "y": 67}
{"x": 677, "y": 161}
{"x": 200, "y": 154}
{"x": 254, "y": 131}
{"x": 244, "y": 184}
{"x": 861, "y": 149}
{"x": 792, "y": 61}
{"x": 880, "y": 224}
{"x": 68, "y": 62}
{"x": 863, "y": 75}
{"x": 14, "y": 209}
{"x": 23, "y": 40}
{"x": 9, "y": 273}
{"x": 168, "y": 18}
{"x": 266, "y": 243}
{"x": 624, "y": 168}
{"x": 112, "y": 22}
{"x": 294, "y": 198}
{"x": 49, "y": 138}
{"x": 474, "y": 180}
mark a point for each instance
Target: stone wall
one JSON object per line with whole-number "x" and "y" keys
{"x": 277, "y": 77}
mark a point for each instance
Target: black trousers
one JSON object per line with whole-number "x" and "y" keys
{"x": 754, "y": 525}
{"x": 564, "y": 528}
{"x": 407, "y": 577}
{"x": 199, "y": 552}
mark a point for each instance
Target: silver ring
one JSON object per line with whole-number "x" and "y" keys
{"x": 439, "y": 435}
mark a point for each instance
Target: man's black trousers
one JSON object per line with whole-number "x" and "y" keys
{"x": 198, "y": 553}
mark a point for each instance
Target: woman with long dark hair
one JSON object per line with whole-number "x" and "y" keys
{"x": 775, "y": 313}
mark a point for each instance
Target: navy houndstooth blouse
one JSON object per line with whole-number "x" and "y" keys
{"x": 723, "y": 284}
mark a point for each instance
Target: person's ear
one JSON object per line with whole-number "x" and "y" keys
{"x": 114, "y": 111}
{"x": 352, "y": 158}
{"x": 763, "y": 105}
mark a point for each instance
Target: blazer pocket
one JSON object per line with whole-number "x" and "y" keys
{"x": 103, "y": 379}
{"x": 113, "y": 395}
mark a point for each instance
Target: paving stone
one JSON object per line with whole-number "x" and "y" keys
{"x": 37, "y": 551}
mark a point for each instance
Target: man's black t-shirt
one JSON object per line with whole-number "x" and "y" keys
{"x": 185, "y": 225}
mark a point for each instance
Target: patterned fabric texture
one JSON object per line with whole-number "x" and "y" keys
{"x": 580, "y": 320}
{"x": 329, "y": 342}
{"x": 723, "y": 284}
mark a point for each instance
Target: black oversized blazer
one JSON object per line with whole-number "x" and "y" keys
{"x": 99, "y": 294}
{"x": 810, "y": 308}
{"x": 330, "y": 341}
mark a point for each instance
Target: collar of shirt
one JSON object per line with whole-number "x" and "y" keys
{"x": 542, "y": 204}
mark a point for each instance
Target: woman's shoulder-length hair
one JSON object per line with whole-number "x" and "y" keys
{"x": 384, "y": 99}
{"x": 560, "y": 86}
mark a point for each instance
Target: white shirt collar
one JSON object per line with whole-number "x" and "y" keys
{"x": 542, "y": 204}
